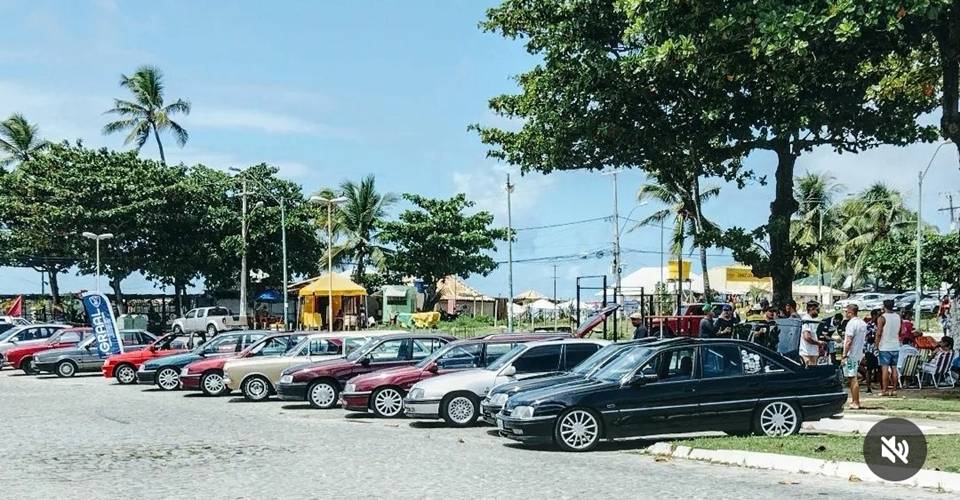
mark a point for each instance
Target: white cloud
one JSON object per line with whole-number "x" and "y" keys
{"x": 264, "y": 121}
{"x": 487, "y": 188}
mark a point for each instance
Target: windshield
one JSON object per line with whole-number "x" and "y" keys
{"x": 436, "y": 354}
{"x": 358, "y": 352}
{"x": 598, "y": 359}
{"x": 506, "y": 358}
{"x": 622, "y": 365}
{"x": 215, "y": 344}
{"x": 89, "y": 340}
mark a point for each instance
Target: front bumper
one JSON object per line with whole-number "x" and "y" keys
{"x": 190, "y": 382}
{"x": 488, "y": 412}
{"x": 293, "y": 391}
{"x": 355, "y": 401}
{"x": 422, "y": 408}
{"x": 538, "y": 430}
{"x": 107, "y": 371}
{"x": 146, "y": 377}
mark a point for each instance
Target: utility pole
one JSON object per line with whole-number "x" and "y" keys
{"x": 952, "y": 211}
{"x": 509, "y": 257}
{"x": 243, "y": 255}
{"x": 920, "y": 175}
{"x": 556, "y": 310}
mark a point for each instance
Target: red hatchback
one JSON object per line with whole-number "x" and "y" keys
{"x": 207, "y": 374}
{"x": 382, "y": 391}
{"x": 124, "y": 366}
{"x": 22, "y": 357}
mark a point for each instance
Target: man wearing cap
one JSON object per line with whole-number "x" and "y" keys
{"x": 726, "y": 321}
{"x": 809, "y": 343}
{"x": 639, "y": 331}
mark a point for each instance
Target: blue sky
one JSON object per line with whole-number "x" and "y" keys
{"x": 335, "y": 90}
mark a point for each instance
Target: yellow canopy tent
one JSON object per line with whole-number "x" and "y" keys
{"x": 319, "y": 289}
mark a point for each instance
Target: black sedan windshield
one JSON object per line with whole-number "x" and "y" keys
{"x": 598, "y": 359}
{"x": 623, "y": 364}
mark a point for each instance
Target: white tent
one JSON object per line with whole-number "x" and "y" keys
{"x": 646, "y": 278}
{"x": 542, "y": 305}
{"x": 570, "y": 305}
{"x": 517, "y": 308}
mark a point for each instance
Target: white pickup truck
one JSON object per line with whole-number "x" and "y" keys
{"x": 211, "y": 320}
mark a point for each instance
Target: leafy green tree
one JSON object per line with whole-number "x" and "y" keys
{"x": 629, "y": 83}
{"x": 146, "y": 114}
{"x": 20, "y": 140}
{"x": 436, "y": 239}
{"x": 868, "y": 219}
{"x": 891, "y": 262}
{"x": 683, "y": 200}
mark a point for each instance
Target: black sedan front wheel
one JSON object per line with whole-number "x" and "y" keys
{"x": 168, "y": 379}
{"x": 577, "y": 429}
{"x": 777, "y": 418}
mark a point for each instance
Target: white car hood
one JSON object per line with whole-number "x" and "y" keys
{"x": 476, "y": 381}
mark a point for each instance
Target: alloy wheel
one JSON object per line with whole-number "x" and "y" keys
{"x": 778, "y": 419}
{"x": 212, "y": 384}
{"x": 126, "y": 374}
{"x": 168, "y": 379}
{"x": 578, "y": 430}
{"x": 461, "y": 409}
{"x": 323, "y": 395}
{"x": 388, "y": 402}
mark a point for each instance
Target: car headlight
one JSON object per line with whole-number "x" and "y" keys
{"x": 498, "y": 399}
{"x": 350, "y": 388}
{"x": 522, "y": 412}
{"x": 416, "y": 393}
{"x": 286, "y": 379}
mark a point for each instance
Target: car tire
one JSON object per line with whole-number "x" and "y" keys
{"x": 177, "y": 329}
{"x": 211, "y": 331}
{"x": 209, "y": 383}
{"x": 29, "y": 366}
{"x": 387, "y": 402}
{"x": 125, "y": 374}
{"x": 66, "y": 369}
{"x": 168, "y": 379}
{"x": 577, "y": 429}
{"x": 460, "y": 409}
{"x": 777, "y": 418}
{"x": 255, "y": 388}
{"x": 323, "y": 394}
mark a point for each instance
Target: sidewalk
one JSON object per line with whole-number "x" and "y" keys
{"x": 860, "y": 423}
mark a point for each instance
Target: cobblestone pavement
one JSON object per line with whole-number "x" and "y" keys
{"x": 88, "y": 438}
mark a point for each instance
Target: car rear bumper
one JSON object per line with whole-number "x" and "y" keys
{"x": 355, "y": 401}
{"x": 190, "y": 382}
{"x": 294, "y": 391}
{"x": 422, "y": 408}
{"x": 822, "y": 406}
{"x": 539, "y": 431}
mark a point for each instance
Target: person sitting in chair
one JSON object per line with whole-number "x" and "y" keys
{"x": 938, "y": 368}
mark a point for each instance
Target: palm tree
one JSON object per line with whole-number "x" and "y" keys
{"x": 683, "y": 200}
{"x": 814, "y": 230}
{"x": 870, "y": 216}
{"x": 356, "y": 225}
{"x": 147, "y": 114}
{"x": 19, "y": 139}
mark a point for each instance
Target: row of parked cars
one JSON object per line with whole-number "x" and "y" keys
{"x": 543, "y": 388}
{"x": 869, "y": 301}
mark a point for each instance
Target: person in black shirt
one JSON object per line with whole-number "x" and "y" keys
{"x": 726, "y": 322}
{"x": 708, "y": 326}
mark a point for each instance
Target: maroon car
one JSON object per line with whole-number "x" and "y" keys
{"x": 320, "y": 383}
{"x": 382, "y": 391}
{"x": 207, "y": 374}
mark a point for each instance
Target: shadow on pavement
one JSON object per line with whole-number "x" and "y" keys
{"x": 305, "y": 406}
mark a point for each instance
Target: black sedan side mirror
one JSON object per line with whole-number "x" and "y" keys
{"x": 642, "y": 379}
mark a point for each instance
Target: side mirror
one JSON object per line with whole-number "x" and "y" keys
{"x": 88, "y": 347}
{"x": 433, "y": 368}
{"x": 365, "y": 361}
{"x": 642, "y": 379}
{"x": 152, "y": 348}
{"x": 509, "y": 371}
{"x": 13, "y": 341}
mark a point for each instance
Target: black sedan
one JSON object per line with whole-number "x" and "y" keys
{"x": 675, "y": 386}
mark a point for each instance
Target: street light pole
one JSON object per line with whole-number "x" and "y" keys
{"x": 243, "y": 255}
{"x": 283, "y": 239}
{"x": 509, "y": 257}
{"x": 920, "y": 176}
{"x": 97, "y": 238}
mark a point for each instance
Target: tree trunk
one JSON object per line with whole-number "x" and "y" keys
{"x": 948, "y": 41}
{"x": 698, "y": 225}
{"x": 360, "y": 269}
{"x": 178, "y": 291}
{"x": 430, "y": 297}
{"x": 156, "y": 135}
{"x": 118, "y": 295}
{"x": 778, "y": 227}
{"x": 54, "y": 286}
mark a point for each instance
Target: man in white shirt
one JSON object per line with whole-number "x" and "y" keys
{"x": 853, "y": 340}
{"x": 809, "y": 343}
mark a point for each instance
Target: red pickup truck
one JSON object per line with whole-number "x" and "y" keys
{"x": 685, "y": 323}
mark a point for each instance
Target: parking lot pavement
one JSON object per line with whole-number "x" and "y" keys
{"x": 88, "y": 437}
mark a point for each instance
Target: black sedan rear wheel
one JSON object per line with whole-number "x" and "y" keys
{"x": 577, "y": 429}
{"x": 777, "y": 418}
{"x": 168, "y": 379}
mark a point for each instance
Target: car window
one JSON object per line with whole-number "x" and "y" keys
{"x": 539, "y": 359}
{"x": 495, "y": 351}
{"x": 323, "y": 347}
{"x": 754, "y": 363}
{"x": 145, "y": 338}
{"x": 218, "y": 311}
{"x": 275, "y": 346}
{"x": 191, "y": 314}
{"x": 388, "y": 350}
{"x": 221, "y": 345}
{"x": 354, "y": 343}
{"x": 421, "y": 348}
{"x": 721, "y": 361}
{"x": 249, "y": 339}
{"x": 461, "y": 356}
{"x": 671, "y": 366}
{"x": 69, "y": 337}
{"x": 576, "y": 353}
{"x": 130, "y": 337}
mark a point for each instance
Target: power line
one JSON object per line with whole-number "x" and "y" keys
{"x": 562, "y": 224}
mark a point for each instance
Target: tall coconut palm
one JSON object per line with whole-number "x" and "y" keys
{"x": 357, "y": 222}
{"x": 146, "y": 113}
{"x": 683, "y": 200}
{"x": 19, "y": 139}
{"x": 815, "y": 229}
{"x": 870, "y": 216}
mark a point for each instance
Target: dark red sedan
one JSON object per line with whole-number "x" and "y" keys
{"x": 207, "y": 374}
{"x": 320, "y": 383}
{"x": 382, "y": 391}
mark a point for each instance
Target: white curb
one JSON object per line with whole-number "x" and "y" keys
{"x": 945, "y": 481}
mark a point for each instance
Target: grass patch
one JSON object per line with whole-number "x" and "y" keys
{"x": 943, "y": 451}
{"x": 933, "y": 401}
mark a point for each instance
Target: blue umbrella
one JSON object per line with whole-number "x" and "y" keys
{"x": 269, "y": 296}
